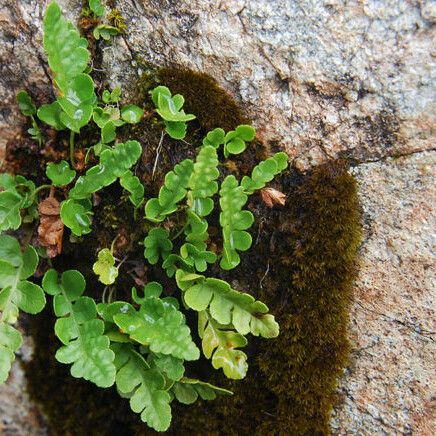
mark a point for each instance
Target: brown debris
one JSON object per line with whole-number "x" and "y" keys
{"x": 271, "y": 197}
{"x": 51, "y": 228}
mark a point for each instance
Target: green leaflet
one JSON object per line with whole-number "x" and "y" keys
{"x": 51, "y": 115}
{"x": 173, "y": 191}
{"x": 264, "y": 172}
{"x": 10, "y": 342}
{"x": 105, "y": 267}
{"x": 187, "y": 390}
{"x": 16, "y": 294}
{"x": 157, "y": 244}
{"x": 97, "y": 7}
{"x": 173, "y": 262}
{"x": 68, "y": 58}
{"x": 60, "y": 173}
{"x": 105, "y": 32}
{"x": 133, "y": 185}
{"x": 170, "y": 366}
{"x": 114, "y": 162}
{"x": 111, "y": 97}
{"x": 170, "y": 109}
{"x": 76, "y": 215}
{"x": 197, "y": 258}
{"x": 144, "y": 386}
{"x": 234, "y": 221}
{"x": 202, "y": 183}
{"x": 18, "y": 193}
{"x": 234, "y": 141}
{"x": 66, "y": 50}
{"x": 222, "y": 345}
{"x": 131, "y": 114}
{"x": 226, "y": 305}
{"x": 159, "y": 325}
{"x": 26, "y": 104}
{"x": 85, "y": 345}
{"x": 202, "y": 186}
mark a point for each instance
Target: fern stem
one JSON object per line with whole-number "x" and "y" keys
{"x": 40, "y": 188}
{"x": 72, "y": 134}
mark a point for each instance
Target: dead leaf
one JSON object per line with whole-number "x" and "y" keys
{"x": 51, "y": 228}
{"x": 271, "y": 197}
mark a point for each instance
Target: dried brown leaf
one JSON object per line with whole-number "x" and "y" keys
{"x": 51, "y": 228}
{"x": 271, "y": 197}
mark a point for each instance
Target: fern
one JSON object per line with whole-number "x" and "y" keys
{"x": 173, "y": 191}
{"x": 265, "y": 172}
{"x": 85, "y": 345}
{"x": 226, "y": 305}
{"x": 105, "y": 267}
{"x": 76, "y": 215}
{"x": 159, "y": 325}
{"x": 202, "y": 183}
{"x": 143, "y": 344}
{"x": 170, "y": 109}
{"x": 16, "y": 294}
{"x": 222, "y": 343}
{"x": 157, "y": 244}
{"x": 234, "y": 221}
{"x": 18, "y": 193}
{"x": 113, "y": 164}
{"x": 133, "y": 185}
{"x": 68, "y": 58}
{"x": 187, "y": 390}
{"x": 144, "y": 386}
{"x": 234, "y": 142}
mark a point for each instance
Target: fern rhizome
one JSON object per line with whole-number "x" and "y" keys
{"x": 142, "y": 343}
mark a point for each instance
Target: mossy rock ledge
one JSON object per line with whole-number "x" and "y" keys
{"x": 302, "y": 266}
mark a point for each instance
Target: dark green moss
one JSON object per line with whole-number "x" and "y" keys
{"x": 203, "y": 97}
{"x": 301, "y": 265}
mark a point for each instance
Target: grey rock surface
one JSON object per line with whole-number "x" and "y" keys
{"x": 389, "y": 385}
{"x": 323, "y": 79}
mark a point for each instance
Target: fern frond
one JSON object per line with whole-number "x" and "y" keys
{"x": 86, "y": 346}
{"x": 16, "y": 293}
{"x": 114, "y": 162}
{"x": 173, "y": 191}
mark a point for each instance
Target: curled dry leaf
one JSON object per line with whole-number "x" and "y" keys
{"x": 51, "y": 228}
{"x": 271, "y": 197}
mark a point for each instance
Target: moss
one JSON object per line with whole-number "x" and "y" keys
{"x": 204, "y": 98}
{"x": 301, "y": 265}
{"x": 290, "y": 388}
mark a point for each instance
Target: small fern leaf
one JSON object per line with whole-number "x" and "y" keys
{"x": 187, "y": 390}
{"x": 202, "y": 183}
{"x": 114, "y": 162}
{"x": 144, "y": 386}
{"x": 264, "y": 172}
{"x": 222, "y": 345}
{"x": 173, "y": 191}
{"x": 234, "y": 221}
{"x": 159, "y": 325}
{"x": 16, "y": 293}
{"x": 133, "y": 185}
{"x": 226, "y": 305}
{"x": 86, "y": 346}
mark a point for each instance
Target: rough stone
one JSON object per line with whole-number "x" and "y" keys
{"x": 322, "y": 80}
{"x": 389, "y": 385}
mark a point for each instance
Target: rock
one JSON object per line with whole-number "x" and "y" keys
{"x": 18, "y": 416}
{"x": 389, "y": 384}
{"x": 321, "y": 80}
